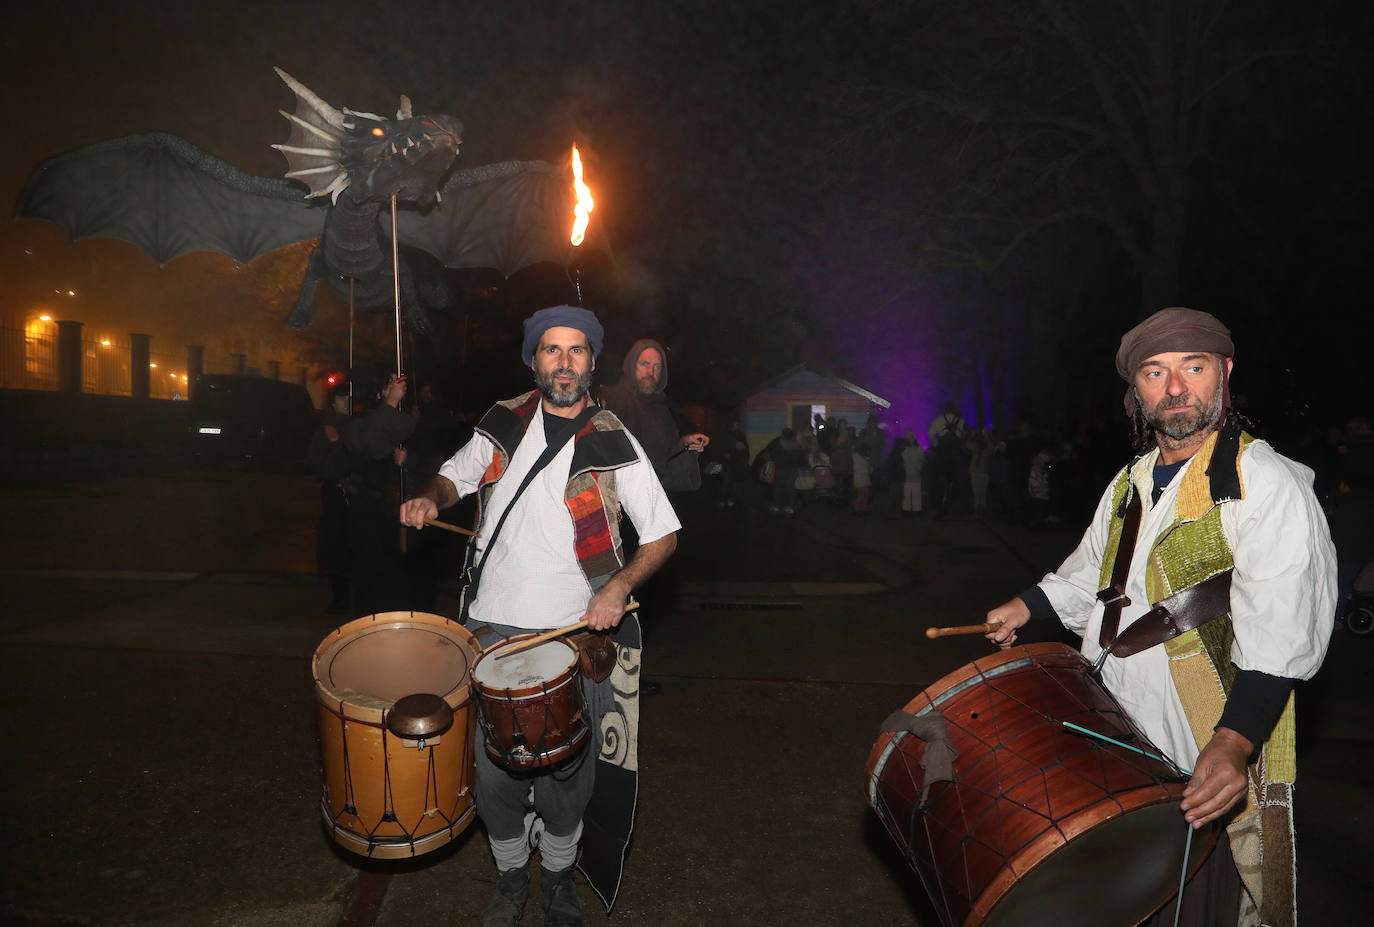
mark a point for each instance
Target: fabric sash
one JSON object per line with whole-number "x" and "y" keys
{"x": 1187, "y": 553}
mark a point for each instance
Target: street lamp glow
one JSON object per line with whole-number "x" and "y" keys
{"x": 45, "y": 318}
{"x": 150, "y": 364}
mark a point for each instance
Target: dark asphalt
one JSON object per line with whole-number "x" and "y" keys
{"x": 161, "y": 763}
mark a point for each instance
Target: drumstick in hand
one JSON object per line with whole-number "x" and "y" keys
{"x": 933, "y": 633}
{"x": 447, "y": 527}
{"x": 556, "y": 632}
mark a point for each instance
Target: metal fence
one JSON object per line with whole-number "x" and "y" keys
{"x": 105, "y": 368}
{"x": 28, "y": 360}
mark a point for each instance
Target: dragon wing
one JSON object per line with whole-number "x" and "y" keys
{"x": 505, "y": 216}
{"x": 168, "y": 197}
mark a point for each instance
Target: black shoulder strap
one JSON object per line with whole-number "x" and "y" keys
{"x": 550, "y": 452}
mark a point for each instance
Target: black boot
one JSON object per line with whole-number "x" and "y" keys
{"x": 562, "y": 907}
{"x": 512, "y": 891}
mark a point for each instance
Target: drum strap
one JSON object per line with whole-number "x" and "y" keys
{"x": 1183, "y": 611}
{"x": 1114, "y": 597}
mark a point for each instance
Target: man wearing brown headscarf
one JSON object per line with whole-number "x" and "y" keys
{"x": 1224, "y": 549}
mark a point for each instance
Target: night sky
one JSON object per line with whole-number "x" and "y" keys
{"x": 933, "y": 202}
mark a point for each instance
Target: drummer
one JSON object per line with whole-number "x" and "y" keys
{"x": 1218, "y": 705}
{"x": 552, "y": 559}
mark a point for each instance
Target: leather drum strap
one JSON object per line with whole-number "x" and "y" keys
{"x": 1181, "y": 612}
{"x": 1114, "y": 596}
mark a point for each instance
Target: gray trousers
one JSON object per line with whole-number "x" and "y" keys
{"x": 558, "y": 795}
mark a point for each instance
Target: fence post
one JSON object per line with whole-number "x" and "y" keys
{"x": 69, "y": 356}
{"x": 195, "y": 366}
{"x": 238, "y": 364}
{"x": 140, "y": 353}
{"x": 274, "y": 370}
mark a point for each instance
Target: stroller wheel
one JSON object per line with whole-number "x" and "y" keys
{"x": 1360, "y": 619}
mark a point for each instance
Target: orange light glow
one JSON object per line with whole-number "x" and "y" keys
{"x": 378, "y": 132}
{"x": 45, "y": 318}
{"x": 152, "y": 365}
{"x": 582, "y": 212}
{"x": 105, "y": 342}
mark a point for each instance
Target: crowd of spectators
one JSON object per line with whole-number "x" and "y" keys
{"x": 1026, "y": 476}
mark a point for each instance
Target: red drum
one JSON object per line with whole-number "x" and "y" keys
{"x": 530, "y": 704}
{"x": 1040, "y": 826}
{"x": 387, "y": 795}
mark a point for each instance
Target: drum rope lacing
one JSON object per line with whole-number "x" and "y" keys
{"x": 388, "y": 816}
{"x": 550, "y": 725}
{"x": 940, "y": 892}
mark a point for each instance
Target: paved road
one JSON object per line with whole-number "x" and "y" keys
{"x": 161, "y": 762}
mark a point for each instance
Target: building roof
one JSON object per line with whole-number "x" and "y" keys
{"x": 838, "y": 381}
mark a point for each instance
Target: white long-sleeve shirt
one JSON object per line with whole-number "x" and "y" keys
{"x": 1283, "y": 590}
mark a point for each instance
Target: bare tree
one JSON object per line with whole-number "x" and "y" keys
{"x": 1026, "y": 117}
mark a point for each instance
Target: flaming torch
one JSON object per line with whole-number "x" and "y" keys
{"x": 582, "y": 212}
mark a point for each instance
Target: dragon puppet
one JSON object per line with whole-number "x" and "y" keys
{"x": 169, "y": 197}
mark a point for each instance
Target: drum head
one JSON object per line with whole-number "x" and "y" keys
{"x": 525, "y": 669}
{"x": 372, "y": 662}
{"x": 1121, "y": 871}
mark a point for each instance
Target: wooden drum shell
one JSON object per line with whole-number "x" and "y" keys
{"x": 537, "y": 725}
{"x": 1041, "y": 824}
{"x": 384, "y": 796}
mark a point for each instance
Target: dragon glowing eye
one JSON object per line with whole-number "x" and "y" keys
{"x": 379, "y": 132}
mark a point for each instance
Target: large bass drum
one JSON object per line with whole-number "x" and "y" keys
{"x": 1040, "y": 826}
{"x": 387, "y": 794}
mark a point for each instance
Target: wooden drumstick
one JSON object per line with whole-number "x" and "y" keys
{"x": 556, "y": 632}
{"x": 933, "y": 633}
{"x": 447, "y": 527}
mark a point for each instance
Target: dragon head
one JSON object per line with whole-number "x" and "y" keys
{"x": 406, "y": 157}
{"x": 374, "y": 158}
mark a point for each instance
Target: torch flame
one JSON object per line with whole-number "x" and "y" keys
{"x": 582, "y": 212}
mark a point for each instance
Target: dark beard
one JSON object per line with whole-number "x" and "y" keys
{"x": 557, "y": 397}
{"x": 1181, "y": 427}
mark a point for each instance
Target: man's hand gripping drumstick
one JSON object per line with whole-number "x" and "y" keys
{"x": 1004, "y": 620}
{"x": 424, "y": 508}
{"x": 550, "y": 635}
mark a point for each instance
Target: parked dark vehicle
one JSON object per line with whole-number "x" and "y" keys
{"x": 250, "y": 419}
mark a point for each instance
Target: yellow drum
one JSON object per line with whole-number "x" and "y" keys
{"x": 397, "y": 778}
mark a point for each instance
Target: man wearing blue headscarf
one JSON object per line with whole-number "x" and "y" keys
{"x": 553, "y": 472}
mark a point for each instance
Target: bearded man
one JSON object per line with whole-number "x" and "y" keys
{"x": 553, "y": 472}
{"x": 1209, "y": 674}
{"x": 639, "y": 401}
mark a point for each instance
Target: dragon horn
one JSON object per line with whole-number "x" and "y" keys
{"x": 404, "y": 112}
{"x": 327, "y": 112}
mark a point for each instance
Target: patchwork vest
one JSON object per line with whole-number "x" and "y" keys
{"x": 600, "y": 448}
{"x": 1192, "y": 548}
